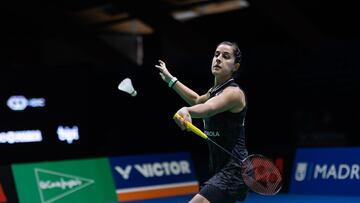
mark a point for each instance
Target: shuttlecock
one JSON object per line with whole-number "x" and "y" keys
{"x": 126, "y": 86}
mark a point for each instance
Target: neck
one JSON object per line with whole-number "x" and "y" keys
{"x": 220, "y": 81}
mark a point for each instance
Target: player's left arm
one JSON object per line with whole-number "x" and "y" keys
{"x": 230, "y": 99}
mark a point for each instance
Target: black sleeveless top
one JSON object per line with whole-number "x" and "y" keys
{"x": 228, "y": 130}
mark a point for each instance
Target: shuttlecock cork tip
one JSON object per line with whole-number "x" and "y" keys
{"x": 126, "y": 86}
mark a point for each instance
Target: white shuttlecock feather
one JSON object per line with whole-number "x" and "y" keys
{"x": 126, "y": 86}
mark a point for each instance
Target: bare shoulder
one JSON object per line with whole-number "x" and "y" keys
{"x": 237, "y": 95}
{"x": 234, "y": 91}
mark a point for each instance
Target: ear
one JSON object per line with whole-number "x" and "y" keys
{"x": 237, "y": 66}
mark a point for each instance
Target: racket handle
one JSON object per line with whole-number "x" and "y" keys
{"x": 197, "y": 131}
{"x": 193, "y": 128}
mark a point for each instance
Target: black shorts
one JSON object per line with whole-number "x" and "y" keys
{"x": 215, "y": 195}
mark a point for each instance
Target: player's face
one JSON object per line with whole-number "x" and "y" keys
{"x": 223, "y": 63}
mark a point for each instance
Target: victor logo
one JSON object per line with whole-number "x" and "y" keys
{"x": 3, "y": 198}
{"x": 156, "y": 169}
{"x": 53, "y": 185}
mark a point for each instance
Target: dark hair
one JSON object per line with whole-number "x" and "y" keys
{"x": 237, "y": 52}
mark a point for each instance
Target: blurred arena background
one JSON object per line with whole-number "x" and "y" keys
{"x": 63, "y": 60}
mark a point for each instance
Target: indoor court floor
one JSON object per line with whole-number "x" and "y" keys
{"x": 279, "y": 198}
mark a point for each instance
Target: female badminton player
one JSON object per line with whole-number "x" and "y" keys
{"x": 223, "y": 109}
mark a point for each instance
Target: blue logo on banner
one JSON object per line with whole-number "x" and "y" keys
{"x": 149, "y": 170}
{"x": 331, "y": 171}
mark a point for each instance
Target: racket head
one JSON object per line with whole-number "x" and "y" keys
{"x": 261, "y": 175}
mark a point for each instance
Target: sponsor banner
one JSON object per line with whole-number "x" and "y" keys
{"x": 7, "y": 185}
{"x": 87, "y": 180}
{"x": 153, "y": 176}
{"x": 326, "y": 171}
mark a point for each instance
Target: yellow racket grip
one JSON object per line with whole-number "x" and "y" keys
{"x": 193, "y": 128}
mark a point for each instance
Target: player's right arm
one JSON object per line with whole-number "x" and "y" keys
{"x": 190, "y": 96}
{"x": 187, "y": 94}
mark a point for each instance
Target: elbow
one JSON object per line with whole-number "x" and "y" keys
{"x": 191, "y": 101}
{"x": 196, "y": 101}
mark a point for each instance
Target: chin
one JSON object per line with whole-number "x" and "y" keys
{"x": 216, "y": 73}
{"x": 215, "y": 70}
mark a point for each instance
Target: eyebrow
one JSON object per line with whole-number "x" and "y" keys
{"x": 225, "y": 52}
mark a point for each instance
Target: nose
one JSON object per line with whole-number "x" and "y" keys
{"x": 218, "y": 59}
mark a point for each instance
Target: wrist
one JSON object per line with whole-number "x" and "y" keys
{"x": 172, "y": 82}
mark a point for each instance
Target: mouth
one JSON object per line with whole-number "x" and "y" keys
{"x": 217, "y": 67}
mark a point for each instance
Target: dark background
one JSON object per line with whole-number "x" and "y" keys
{"x": 300, "y": 73}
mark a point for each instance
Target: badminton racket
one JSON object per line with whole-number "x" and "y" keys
{"x": 258, "y": 172}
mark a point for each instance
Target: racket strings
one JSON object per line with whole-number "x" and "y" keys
{"x": 262, "y": 176}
